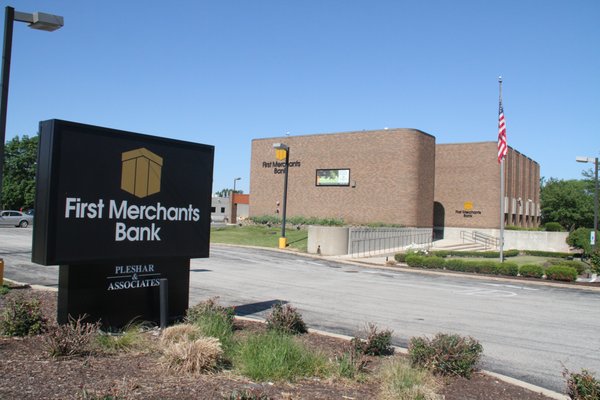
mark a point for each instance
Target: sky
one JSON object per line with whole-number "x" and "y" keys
{"x": 224, "y": 72}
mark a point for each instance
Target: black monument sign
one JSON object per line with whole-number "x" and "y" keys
{"x": 119, "y": 212}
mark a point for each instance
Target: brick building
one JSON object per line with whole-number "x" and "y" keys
{"x": 393, "y": 176}
{"x": 467, "y": 187}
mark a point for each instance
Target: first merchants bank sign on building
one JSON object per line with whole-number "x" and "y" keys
{"x": 120, "y": 212}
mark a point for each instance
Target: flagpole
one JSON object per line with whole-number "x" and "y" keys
{"x": 501, "y": 188}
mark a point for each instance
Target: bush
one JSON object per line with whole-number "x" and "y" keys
{"x": 433, "y": 262}
{"x": 4, "y": 290}
{"x": 210, "y": 306}
{"x": 414, "y": 260}
{"x": 582, "y": 385}
{"x": 201, "y": 355}
{"x": 541, "y": 253}
{"x": 446, "y": 354}
{"x": 22, "y": 318}
{"x": 553, "y": 227}
{"x": 578, "y": 265}
{"x": 285, "y": 319}
{"x": 560, "y": 273}
{"x": 376, "y": 344}
{"x": 72, "y": 339}
{"x": 441, "y": 253}
{"x": 455, "y": 265}
{"x": 400, "y": 257}
{"x": 580, "y": 239}
{"x": 507, "y": 269}
{"x": 531, "y": 271}
{"x": 595, "y": 261}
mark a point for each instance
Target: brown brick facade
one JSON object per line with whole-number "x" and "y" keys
{"x": 391, "y": 177}
{"x": 467, "y": 187}
{"x": 397, "y": 176}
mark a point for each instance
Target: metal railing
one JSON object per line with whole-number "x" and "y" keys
{"x": 486, "y": 240}
{"x": 366, "y": 242}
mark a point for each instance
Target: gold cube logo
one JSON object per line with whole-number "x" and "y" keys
{"x": 468, "y": 205}
{"x": 141, "y": 170}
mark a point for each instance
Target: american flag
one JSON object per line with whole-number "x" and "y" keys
{"x": 502, "y": 146}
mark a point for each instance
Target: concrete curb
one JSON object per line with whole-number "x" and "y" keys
{"x": 402, "y": 350}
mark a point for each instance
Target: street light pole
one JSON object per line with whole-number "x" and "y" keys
{"x": 593, "y": 160}
{"x": 37, "y": 20}
{"x": 233, "y": 207}
{"x": 283, "y": 147}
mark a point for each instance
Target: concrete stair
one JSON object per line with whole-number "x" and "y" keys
{"x": 458, "y": 246}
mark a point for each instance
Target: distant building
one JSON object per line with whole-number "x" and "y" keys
{"x": 394, "y": 176}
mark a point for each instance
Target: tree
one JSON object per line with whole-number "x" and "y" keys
{"x": 227, "y": 192}
{"x": 568, "y": 202}
{"x": 20, "y": 162}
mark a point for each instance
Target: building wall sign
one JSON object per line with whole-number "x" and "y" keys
{"x": 279, "y": 166}
{"x": 119, "y": 211}
{"x": 467, "y": 211}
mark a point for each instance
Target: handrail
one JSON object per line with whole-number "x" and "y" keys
{"x": 479, "y": 237}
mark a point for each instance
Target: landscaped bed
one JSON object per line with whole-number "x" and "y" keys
{"x": 140, "y": 369}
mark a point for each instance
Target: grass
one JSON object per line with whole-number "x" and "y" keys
{"x": 262, "y": 236}
{"x": 212, "y": 324}
{"x": 400, "y": 381}
{"x": 132, "y": 338}
{"x": 4, "y": 290}
{"x": 274, "y": 356}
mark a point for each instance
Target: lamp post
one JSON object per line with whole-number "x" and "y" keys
{"x": 37, "y": 20}
{"x": 593, "y": 160}
{"x": 233, "y": 206}
{"x": 283, "y": 151}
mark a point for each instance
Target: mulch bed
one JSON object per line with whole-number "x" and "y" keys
{"x": 27, "y": 372}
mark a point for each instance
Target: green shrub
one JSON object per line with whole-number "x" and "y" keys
{"x": 578, "y": 265}
{"x": 74, "y": 338}
{"x": 433, "y": 262}
{"x": 531, "y": 271}
{"x": 595, "y": 261}
{"x": 4, "y": 290}
{"x": 582, "y": 385}
{"x": 274, "y": 356}
{"x": 414, "y": 260}
{"x": 580, "y": 239}
{"x": 400, "y": 257}
{"x": 22, "y": 318}
{"x": 446, "y": 354}
{"x": 507, "y": 269}
{"x": 266, "y": 220}
{"x": 486, "y": 267}
{"x": 560, "y": 273}
{"x": 441, "y": 253}
{"x": 553, "y": 227}
{"x": 455, "y": 265}
{"x": 542, "y": 253}
{"x": 376, "y": 343}
{"x": 285, "y": 319}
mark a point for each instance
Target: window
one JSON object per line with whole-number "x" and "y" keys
{"x": 213, "y": 209}
{"x": 223, "y": 209}
{"x": 333, "y": 177}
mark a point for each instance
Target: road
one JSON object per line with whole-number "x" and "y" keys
{"x": 528, "y": 332}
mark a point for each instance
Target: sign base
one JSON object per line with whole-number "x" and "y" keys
{"x": 118, "y": 294}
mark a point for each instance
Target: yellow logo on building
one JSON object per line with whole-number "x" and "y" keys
{"x": 468, "y": 205}
{"x": 280, "y": 154}
{"x": 141, "y": 171}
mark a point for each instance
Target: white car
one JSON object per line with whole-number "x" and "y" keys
{"x": 15, "y": 218}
